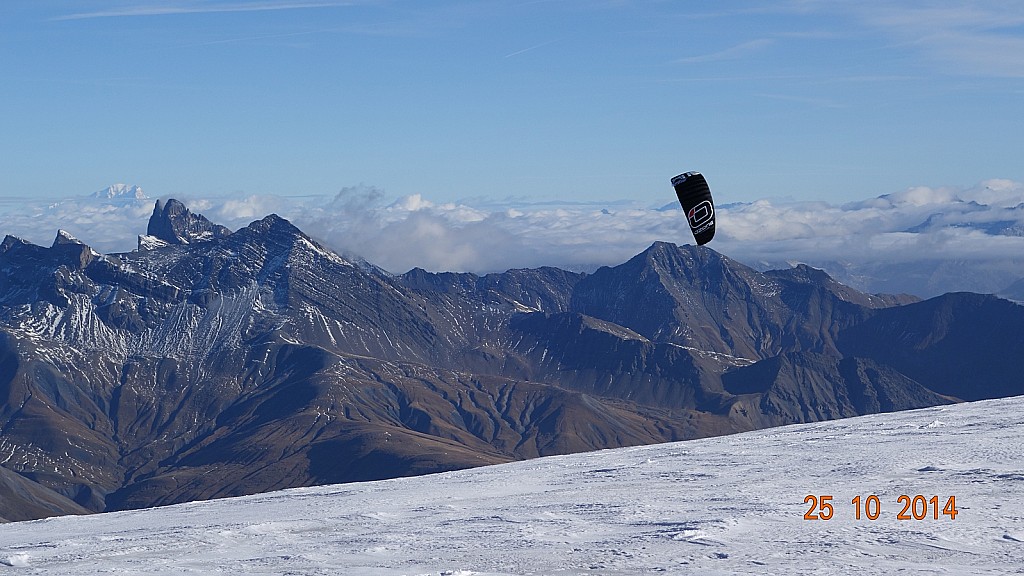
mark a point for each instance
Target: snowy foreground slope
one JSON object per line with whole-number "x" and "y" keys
{"x": 727, "y": 505}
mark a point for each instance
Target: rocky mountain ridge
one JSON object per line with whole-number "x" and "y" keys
{"x": 213, "y": 363}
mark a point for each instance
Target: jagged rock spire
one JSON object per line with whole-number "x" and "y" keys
{"x": 172, "y": 223}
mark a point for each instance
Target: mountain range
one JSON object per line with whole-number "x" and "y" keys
{"x": 211, "y": 363}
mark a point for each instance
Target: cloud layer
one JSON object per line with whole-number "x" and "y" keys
{"x": 920, "y": 240}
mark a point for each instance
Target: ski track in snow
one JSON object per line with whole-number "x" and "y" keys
{"x": 727, "y": 505}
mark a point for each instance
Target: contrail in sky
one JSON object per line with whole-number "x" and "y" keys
{"x": 541, "y": 45}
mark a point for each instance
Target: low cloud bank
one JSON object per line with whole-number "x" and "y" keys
{"x": 921, "y": 240}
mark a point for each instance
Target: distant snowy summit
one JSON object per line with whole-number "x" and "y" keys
{"x": 120, "y": 192}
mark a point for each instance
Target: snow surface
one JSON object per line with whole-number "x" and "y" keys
{"x": 728, "y": 505}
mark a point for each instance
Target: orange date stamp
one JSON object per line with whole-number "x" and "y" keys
{"x": 917, "y": 507}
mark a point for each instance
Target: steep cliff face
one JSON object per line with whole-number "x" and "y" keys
{"x": 173, "y": 223}
{"x": 213, "y": 363}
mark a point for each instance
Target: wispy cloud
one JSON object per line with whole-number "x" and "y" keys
{"x": 199, "y": 8}
{"x": 258, "y": 37}
{"x": 814, "y": 102}
{"x": 731, "y": 53}
{"x": 980, "y": 38}
{"x": 977, "y": 38}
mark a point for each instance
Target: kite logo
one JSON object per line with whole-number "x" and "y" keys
{"x": 700, "y": 214}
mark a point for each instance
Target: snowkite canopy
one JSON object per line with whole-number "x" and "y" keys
{"x": 695, "y": 196}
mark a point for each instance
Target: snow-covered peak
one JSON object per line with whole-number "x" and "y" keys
{"x": 120, "y": 192}
{"x": 65, "y": 237}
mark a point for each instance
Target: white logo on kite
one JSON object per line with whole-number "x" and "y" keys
{"x": 700, "y": 214}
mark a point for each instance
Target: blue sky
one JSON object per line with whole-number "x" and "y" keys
{"x": 578, "y": 101}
